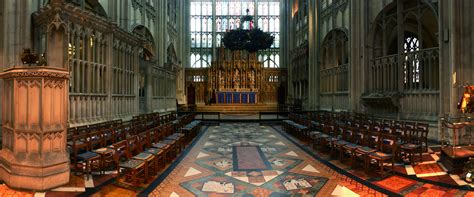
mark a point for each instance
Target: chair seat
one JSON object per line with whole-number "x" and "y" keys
{"x": 340, "y": 143}
{"x": 380, "y": 155}
{"x": 78, "y": 143}
{"x": 154, "y": 151}
{"x": 87, "y": 156}
{"x": 132, "y": 164}
{"x": 314, "y": 134}
{"x": 410, "y": 146}
{"x": 103, "y": 151}
{"x": 168, "y": 141}
{"x": 144, "y": 156}
{"x": 365, "y": 149}
{"x": 333, "y": 139}
{"x": 173, "y": 137}
{"x": 160, "y": 145}
{"x": 351, "y": 146}
{"x": 179, "y": 134}
{"x": 325, "y": 136}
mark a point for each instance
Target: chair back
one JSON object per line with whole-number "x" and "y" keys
{"x": 134, "y": 144}
{"x": 358, "y": 137}
{"x": 386, "y": 129}
{"x": 347, "y": 134}
{"x": 398, "y": 124}
{"x": 415, "y": 136}
{"x": 409, "y": 125}
{"x": 388, "y": 143}
{"x": 96, "y": 139}
{"x": 145, "y": 138}
{"x": 121, "y": 151}
{"x": 80, "y": 143}
{"x": 327, "y": 129}
{"x": 372, "y": 139}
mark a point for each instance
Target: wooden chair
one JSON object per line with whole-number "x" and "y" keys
{"x": 413, "y": 145}
{"x": 96, "y": 139}
{"x": 386, "y": 129}
{"x": 158, "y": 162}
{"x": 82, "y": 154}
{"x": 355, "y": 141}
{"x": 132, "y": 169}
{"x": 326, "y": 136}
{"x": 135, "y": 145}
{"x": 334, "y": 139}
{"x": 424, "y": 129}
{"x": 386, "y": 153}
{"x": 367, "y": 146}
{"x": 77, "y": 145}
{"x": 315, "y": 134}
{"x": 409, "y": 125}
{"x": 158, "y": 136}
{"x": 398, "y": 124}
{"x": 345, "y": 137}
{"x": 109, "y": 135}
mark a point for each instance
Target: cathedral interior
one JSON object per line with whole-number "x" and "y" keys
{"x": 259, "y": 98}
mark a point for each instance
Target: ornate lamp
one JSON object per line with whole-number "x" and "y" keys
{"x": 247, "y": 38}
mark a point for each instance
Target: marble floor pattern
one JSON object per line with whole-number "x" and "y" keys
{"x": 247, "y": 159}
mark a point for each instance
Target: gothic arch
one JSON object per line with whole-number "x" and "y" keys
{"x": 337, "y": 37}
{"x": 418, "y": 17}
{"x": 334, "y": 61}
{"x": 403, "y": 53}
{"x": 144, "y": 33}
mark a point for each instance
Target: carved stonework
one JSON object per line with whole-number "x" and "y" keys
{"x": 56, "y": 24}
{"x": 36, "y": 74}
{"x": 34, "y": 157}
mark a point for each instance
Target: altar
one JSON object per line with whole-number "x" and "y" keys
{"x": 236, "y": 97}
{"x": 235, "y": 78}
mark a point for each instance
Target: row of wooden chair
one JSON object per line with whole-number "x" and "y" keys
{"x": 144, "y": 155}
{"x": 354, "y": 143}
{"x": 351, "y": 137}
{"x": 91, "y": 149}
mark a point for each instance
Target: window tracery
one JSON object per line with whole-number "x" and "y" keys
{"x": 227, "y": 17}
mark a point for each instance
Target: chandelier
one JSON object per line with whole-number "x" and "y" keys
{"x": 247, "y": 38}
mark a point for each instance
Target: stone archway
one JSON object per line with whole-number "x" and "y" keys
{"x": 146, "y": 62}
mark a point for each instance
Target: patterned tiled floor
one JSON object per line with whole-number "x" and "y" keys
{"x": 246, "y": 159}
{"x": 219, "y": 166}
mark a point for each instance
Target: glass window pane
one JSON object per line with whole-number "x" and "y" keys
{"x": 229, "y": 13}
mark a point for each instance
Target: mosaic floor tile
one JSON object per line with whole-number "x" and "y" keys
{"x": 396, "y": 183}
{"x": 267, "y": 165}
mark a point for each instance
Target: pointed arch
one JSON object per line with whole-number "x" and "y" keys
{"x": 144, "y": 33}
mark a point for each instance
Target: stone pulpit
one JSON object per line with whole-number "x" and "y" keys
{"x": 35, "y": 115}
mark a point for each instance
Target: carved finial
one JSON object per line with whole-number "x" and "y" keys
{"x": 57, "y": 23}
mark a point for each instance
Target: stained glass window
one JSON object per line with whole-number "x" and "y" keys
{"x": 227, "y": 17}
{"x": 411, "y": 68}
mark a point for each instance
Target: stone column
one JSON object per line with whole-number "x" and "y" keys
{"x": 35, "y": 106}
